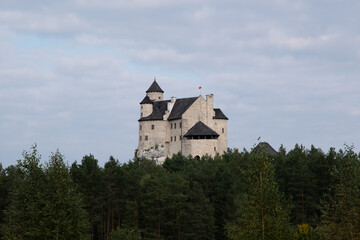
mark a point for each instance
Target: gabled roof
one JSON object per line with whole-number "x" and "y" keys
{"x": 265, "y": 147}
{"x": 219, "y": 114}
{"x": 159, "y": 109}
{"x": 180, "y": 106}
{"x": 155, "y": 88}
{"x": 200, "y": 129}
{"x": 146, "y": 100}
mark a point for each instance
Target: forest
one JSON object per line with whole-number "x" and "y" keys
{"x": 294, "y": 194}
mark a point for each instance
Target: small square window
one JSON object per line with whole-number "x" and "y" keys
{"x": 215, "y": 149}
{"x": 146, "y": 138}
{"x": 152, "y": 127}
{"x": 159, "y": 97}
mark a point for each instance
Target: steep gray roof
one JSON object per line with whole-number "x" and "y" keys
{"x": 146, "y": 100}
{"x": 180, "y": 106}
{"x": 219, "y": 114}
{"x": 200, "y": 129}
{"x": 154, "y": 87}
{"x": 265, "y": 147}
{"x": 159, "y": 109}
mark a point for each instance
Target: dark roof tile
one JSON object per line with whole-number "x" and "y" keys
{"x": 265, "y": 147}
{"x": 159, "y": 109}
{"x": 180, "y": 106}
{"x": 219, "y": 114}
{"x": 155, "y": 88}
{"x": 146, "y": 100}
{"x": 200, "y": 129}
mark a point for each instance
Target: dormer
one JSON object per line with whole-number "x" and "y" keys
{"x": 155, "y": 93}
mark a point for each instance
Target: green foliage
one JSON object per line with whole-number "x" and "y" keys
{"x": 305, "y": 232}
{"x": 262, "y": 213}
{"x": 239, "y": 195}
{"x": 89, "y": 180}
{"x": 125, "y": 234}
{"x": 44, "y": 203}
{"x": 341, "y": 217}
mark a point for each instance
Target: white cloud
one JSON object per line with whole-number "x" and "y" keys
{"x": 132, "y": 4}
{"x": 41, "y": 22}
{"x": 277, "y": 69}
{"x": 162, "y": 55}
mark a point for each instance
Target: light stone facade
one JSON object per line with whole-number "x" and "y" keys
{"x": 190, "y": 126}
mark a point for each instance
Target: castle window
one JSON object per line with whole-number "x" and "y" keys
{"x": 174, "y": 125}
{"x": 223, "y": 130}
{"x": 175, "y": 139}
{"x": 140, "y": 127}
{"x": 152, "y": 127}
{"x": 171, "y": 126}
{"x": 180, "y": 125}
{"x": 146, "y": 138}
{"x": 141, "y": 107}
{"x": 180, "y": 137}
{"x": 215, "y": 149}
{"x": 140, "y": 138}
{"x": 141, "y": 114}
{"x": 159, "y": 97}
{"x": 171, "y": 139}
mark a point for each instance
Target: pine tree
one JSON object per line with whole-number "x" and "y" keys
{"x": 89, "y": 179}
{"x": 67, "y": 218}
{"x": 44, "y": 204}
{"x": 200, "y": 221}
{"x": 262, "y": 213}
{"x": 341, "y": 217}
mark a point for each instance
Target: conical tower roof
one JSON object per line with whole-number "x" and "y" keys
{"x": 146, "y": 100}
{"x": 154, "y": 88}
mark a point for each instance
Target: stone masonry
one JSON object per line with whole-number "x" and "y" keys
{"x": 190, "y": 126}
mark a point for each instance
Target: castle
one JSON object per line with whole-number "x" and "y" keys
{"x": 190, "y": 126}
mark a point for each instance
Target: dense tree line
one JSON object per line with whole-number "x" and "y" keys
{"x": 297, "y": 194}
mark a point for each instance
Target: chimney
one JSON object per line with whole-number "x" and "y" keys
{"x": 210, "y": 101}
{"x": 171, "y": 104}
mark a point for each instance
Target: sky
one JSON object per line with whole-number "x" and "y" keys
{"x": 72, "y": 73}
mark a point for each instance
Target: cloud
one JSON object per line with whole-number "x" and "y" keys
{"x": 41, "y": 22}
{"x": 134, "y": 4}
{"x": 72, "y": 73}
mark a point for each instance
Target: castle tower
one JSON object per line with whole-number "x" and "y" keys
{"x": 155, "y": 93}
{"x": 190, "y": 126}
{"x": 146, "y": 107}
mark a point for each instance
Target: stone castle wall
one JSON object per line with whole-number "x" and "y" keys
{"x": 168, "y": 135}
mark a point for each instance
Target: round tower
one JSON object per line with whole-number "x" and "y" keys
{"x": 155, "y": 93}
{"x": 146, "y": 107}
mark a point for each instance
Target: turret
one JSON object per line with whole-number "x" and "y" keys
{"x": 155, "y": 93}
{"x": 146, "y": 107}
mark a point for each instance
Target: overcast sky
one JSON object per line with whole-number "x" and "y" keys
{"x": 72, "y": 73}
